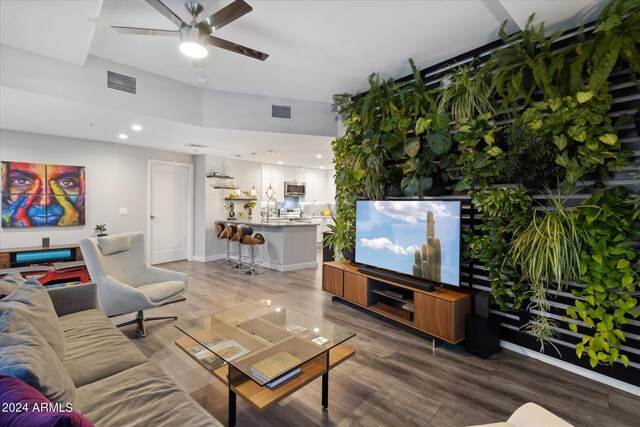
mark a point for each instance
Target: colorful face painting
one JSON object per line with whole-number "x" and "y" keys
{"x": 37, "y": 195}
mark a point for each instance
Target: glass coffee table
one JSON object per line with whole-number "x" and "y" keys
{"x": 264, "y": 351}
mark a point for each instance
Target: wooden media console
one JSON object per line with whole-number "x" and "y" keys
{"x": 440, "y": 313}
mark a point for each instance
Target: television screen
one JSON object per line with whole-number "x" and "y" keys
{"x": 415, "y": 237}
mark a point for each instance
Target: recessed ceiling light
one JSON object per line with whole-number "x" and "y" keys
{"x": 279, "y": 162}
{"x": 123, "y": 136}
{"x": 321, "y": 167}
{"x": 136, "y": 127}
{"x": 318, "y": 156}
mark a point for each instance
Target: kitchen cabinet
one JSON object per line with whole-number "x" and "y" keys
{"x": 314, "y": 188}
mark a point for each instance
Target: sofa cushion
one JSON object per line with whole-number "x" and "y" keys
{"x": 32, "y": 301}
{"x": 161, "y": 291}
{"x": 113, "y": 244}
{"x": 24, "y": 354}
{"x": 95, "y": 348}
{"x": 141, "y": 396}
{"x": 10, "y": 282}
{"x": 23, "y": 405}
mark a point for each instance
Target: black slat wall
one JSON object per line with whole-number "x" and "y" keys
{"x": 626, "y": 100}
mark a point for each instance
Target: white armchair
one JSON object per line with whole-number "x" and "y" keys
{"x": 126, "y": 283}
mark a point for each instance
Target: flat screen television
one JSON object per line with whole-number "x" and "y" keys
{"x": 420, "y": 238}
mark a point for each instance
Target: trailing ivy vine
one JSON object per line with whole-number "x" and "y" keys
{"x": 607, "y": 302}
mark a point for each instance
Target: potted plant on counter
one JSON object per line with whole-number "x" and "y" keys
{"x": 101, "y": 230}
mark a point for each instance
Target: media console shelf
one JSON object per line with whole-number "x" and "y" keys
{"x": 439, "y": 314}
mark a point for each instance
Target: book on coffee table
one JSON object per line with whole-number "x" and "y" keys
{"x": 269, "y": 368}
{"x": 226, "y": 348}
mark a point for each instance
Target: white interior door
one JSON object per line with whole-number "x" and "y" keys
{"x": 170, "y": 211}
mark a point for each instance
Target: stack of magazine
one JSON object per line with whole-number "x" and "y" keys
{"x": 224, "y": 347}
{"x": 268, "y": 369}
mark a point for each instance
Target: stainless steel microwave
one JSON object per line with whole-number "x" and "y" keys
{"x": 294, "y": 188}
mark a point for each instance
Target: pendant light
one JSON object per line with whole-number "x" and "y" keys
{"x": 270, "y": 191}
{"x": 253, "y": 191}
{"x": 238, "y": 190}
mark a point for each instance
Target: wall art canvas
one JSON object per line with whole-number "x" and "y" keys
{"x": 38, "y": 195}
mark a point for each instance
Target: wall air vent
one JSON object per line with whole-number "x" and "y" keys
{"x": 281, "y": 112}
{"x": 121, "y": 82}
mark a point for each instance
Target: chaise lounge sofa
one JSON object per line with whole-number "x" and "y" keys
{"x": 61, "y": 344}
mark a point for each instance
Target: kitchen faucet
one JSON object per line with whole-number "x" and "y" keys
{"x": 275, "y": 205}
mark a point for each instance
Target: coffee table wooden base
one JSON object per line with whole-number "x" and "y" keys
{"x": 262, "y": 397}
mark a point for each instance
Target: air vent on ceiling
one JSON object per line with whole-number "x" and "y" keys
{"x": 281, "y": 111}
{"x": 121, "y": 82}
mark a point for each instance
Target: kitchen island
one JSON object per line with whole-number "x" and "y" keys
{"x": 289, "y": 245}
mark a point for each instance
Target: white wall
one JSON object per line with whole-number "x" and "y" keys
{"x": 232, "y": 110}
{"x": 116, "y": 177}
{"x": 156, "y": 96}
{"x": 159, "y": 96}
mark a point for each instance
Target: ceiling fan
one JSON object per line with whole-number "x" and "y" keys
{"x": 196, "y": 36}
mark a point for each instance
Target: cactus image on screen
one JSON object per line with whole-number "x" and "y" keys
{"x": 401, "y": 236}
{"x": 427, "y": 263}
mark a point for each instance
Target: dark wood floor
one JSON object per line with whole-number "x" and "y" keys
{"x": 394, "y": 380}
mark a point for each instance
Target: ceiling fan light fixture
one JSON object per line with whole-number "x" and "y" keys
{"x": 193, "y": 42}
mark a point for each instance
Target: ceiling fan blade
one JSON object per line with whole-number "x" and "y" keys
{"x": 168, "y": 13}
{"x": 145, "y": 31}
{"x": 198, "y": 63}
{"x": 233, "y": 47}
{"x": 226, "y": 15}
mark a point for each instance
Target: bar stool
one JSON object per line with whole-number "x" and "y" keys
{"x": 244, "y": 231}
{"x": 232, "y": 236}
{"x": 251, "y": 240}
{"x": 222, "y": 234}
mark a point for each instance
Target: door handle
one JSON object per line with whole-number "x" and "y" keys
{"x": 153, "y": 217}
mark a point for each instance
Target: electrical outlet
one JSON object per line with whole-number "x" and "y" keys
{"x": 123, "y": 211}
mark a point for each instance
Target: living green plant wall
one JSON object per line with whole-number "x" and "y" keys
{"x": 552, "y": 122}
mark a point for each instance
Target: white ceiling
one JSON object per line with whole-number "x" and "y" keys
{"x": 54, "y": 116}
{"x": 317, "y": 48}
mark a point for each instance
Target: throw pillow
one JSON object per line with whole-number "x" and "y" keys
{"x": 23, "y": 405}
{"x": 32, "y": 301}
{"x": 10, "y": 282}
{"x": 113, "y": 244}
{"x": 24, "y": 354}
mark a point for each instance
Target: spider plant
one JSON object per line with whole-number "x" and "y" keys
{"x": 548, "y": 251}
{"x": 467, "y": 94}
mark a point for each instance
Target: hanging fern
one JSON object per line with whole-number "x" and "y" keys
{"x": 617, "y": 35}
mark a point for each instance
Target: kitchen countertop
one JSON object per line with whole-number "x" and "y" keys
{"x": 274, "y": 223}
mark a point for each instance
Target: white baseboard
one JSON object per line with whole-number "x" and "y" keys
{"x": 572, "y": 368}
{"x": 209, "y": 258}
{"x": 289, "y": 267}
